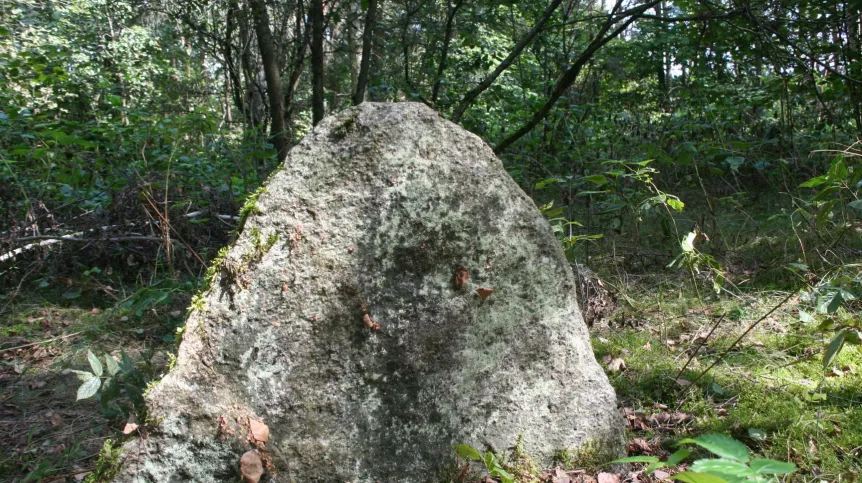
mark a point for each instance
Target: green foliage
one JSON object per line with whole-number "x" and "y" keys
{"x": 491, "y": 461}
{"x": 118, "y": 385}
{"x": 108, "y": 464}
{"x": 732, "y": 465}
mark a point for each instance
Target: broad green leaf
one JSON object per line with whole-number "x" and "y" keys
{"x": 467, "y": 452}
{"x": 720, "y": 445}
{"x": 491, "y": 460}
{"x": 94, "y": 363}
{"x": 833, "y": 348}
{"x": 829, "y": 302}
{"x": 722, "y": 466}
{"x": 678, "y": 456}
{"x": 688, "y": 242}
{"x": 806, "y": 317}
{"x": 838, "y": 170}
{"x": 814, "y": 182}
{"x": 735, "y": 162}
{"x": 637, "y": 459}
{"x": 546, "y": 182}
{"x": 83, "y": 376}
{"x": 89, "y": 388}
{"x": 71, "y": 294}
{"x": 856, "y": 206}
{"x": 772, "y": 467}
{"x": 692, "y": 477}
{"x": 505, "y": 476}
{"x": 596, "y": 179}
{"x": 676, "y": 204}
{"x": 111, "y": 363}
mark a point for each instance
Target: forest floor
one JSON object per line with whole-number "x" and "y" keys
{"x": 770, "y": 390}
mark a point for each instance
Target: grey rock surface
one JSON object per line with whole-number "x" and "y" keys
{"x": 373, "y": 213}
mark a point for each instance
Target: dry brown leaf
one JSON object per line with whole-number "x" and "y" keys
{"x": 484, "y": 293}
{"x": 608, "y": 478}
{"x": 251, "y": 467}
{"x": 259, "y": 430}
{"x": 639, "y": 446}
{"x": 560, "y": 476}
{"x": 55, "y": 418}
{"x": 683, "y": 382}
{"x": 661, "y": 475}
{"x": 131, "y": 424}
{"x": 370, "y": 323}
{"x": 616, "y": 365}
{"x": 462, "y": 276}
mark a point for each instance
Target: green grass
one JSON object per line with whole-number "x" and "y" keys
{"x": 763, "y": 386}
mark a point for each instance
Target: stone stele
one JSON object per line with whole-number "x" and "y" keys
{"x": 392, "y": 292}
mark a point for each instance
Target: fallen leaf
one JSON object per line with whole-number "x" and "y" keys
{"x": 560, "y": 476}
{"x": 639, "y": 446}
{"x": 616, "y": 365}
{"x": 131, "y": 424}
{"x": 55, "y": 418}
{"x": 683, "y": 382}
{"x": 608, "y": 478}
{"x": 661, "y": 475}
{"x": 259, "y": 430}
{"x": 251, "y": 467}
{"x": 484, "y": 293}
{"x": 462, "y": 276}
{"x": 370, "y": 323}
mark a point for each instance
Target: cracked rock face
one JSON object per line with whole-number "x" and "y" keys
{"x": 393, "y": 292}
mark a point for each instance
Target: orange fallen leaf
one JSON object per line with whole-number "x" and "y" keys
{"x": 251, "y": 467}
{"x": 484, "y": 293}
{"x": 259, "y": 430}
{"x": 131, "y": 424}
{"x": 370, "y": 323}
{"x": 608, "y": 478}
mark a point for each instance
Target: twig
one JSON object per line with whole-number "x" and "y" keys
{"x": 42, "y": 341}
{"x": 74, "y": 239}
{"x": 702, "y": 342}
{"x": 749, "y": 329}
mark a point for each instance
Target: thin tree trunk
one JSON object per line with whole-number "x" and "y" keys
{"x": 474, "y": 93}
{"x": 571, "y": 74}
{"x": 317, "y": 60}
{"x": 302, "y": 40}
{"x": 367, "y": 42}
{"x": 278, "y": 133}
{"x": 447, "y": 39}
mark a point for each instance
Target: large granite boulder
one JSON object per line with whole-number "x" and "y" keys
{"x": 392, "y": 292}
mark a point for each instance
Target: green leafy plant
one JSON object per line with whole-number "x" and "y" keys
{"x": 696, "y": 261}
{"x": 492, "y": 463}
{"x": 733, "y": 463}
{"x": 112, "y": 380}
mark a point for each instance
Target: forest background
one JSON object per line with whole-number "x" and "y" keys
{"x": 698, "y": 159}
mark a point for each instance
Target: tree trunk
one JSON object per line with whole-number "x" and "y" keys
{"x": 278, "y": 133}
{"x": 367, "y": 41}
{"x": 447, "y": 39}
{"x": 317, "y": 102}
{"x": 571, "y": 75}
{"x": 474, "y": 93}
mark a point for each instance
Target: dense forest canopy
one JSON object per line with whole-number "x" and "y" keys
{"x": 698, "y": 150}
